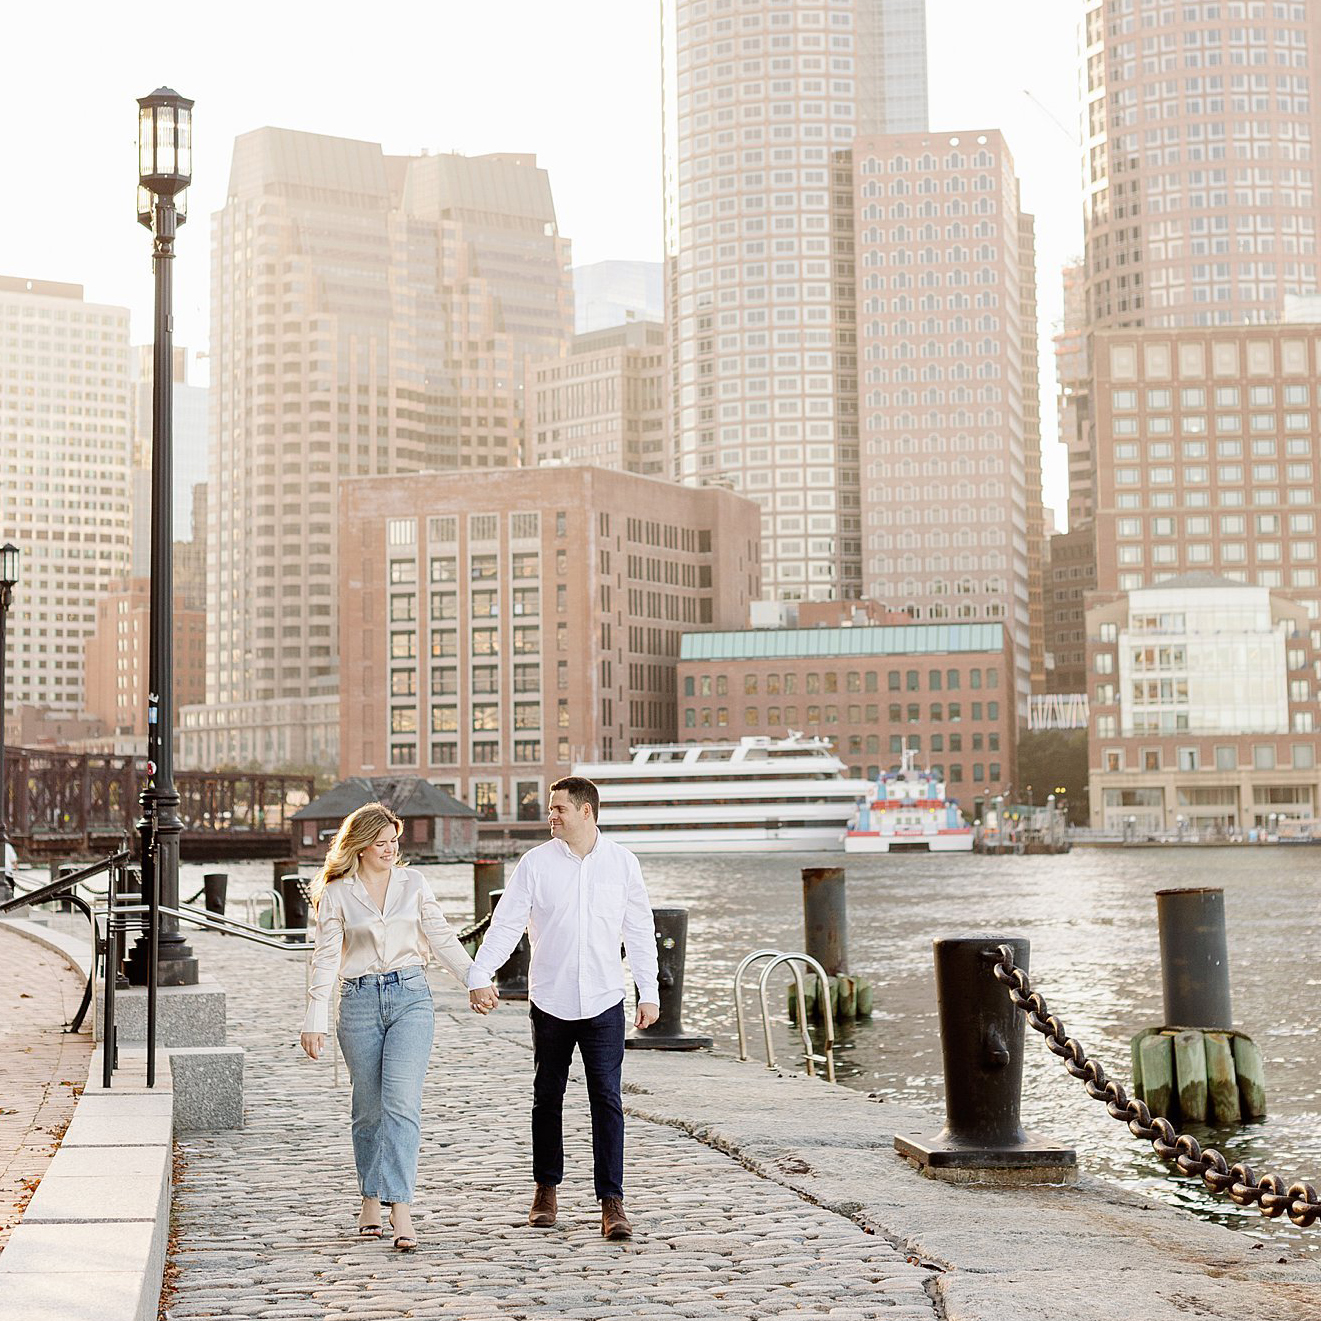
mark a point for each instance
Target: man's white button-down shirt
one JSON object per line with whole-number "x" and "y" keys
{"x": 575, "y": 910}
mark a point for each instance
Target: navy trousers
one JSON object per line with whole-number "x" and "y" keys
{"x": 600, "y": 1042}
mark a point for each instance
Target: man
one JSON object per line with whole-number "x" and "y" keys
{"x": 577, "y": 895}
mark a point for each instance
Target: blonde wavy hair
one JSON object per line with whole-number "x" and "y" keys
{"x": 356, "y": 833}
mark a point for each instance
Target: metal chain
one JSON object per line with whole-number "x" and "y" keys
{"x": 1269, "y": 1192}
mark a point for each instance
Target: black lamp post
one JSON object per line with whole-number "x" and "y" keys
{"x": 165, "y": 168}
{"x": 8, "y": 581}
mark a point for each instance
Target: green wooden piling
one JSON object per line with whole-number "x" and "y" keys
{"x": 1135, "y": 1053}
{"x": 848, "y": 996}
{"x": 864, "y": 1001}
{"x": 1190, "y": 1075}
{"x": 1251, "y": 1077}
{"x": 1157, "y": 1053}
{"x": 1221, "y": 1079}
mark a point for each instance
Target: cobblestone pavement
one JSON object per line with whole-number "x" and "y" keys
{"x": 265, "y": 1216}
{"x": 42, "y": 1067}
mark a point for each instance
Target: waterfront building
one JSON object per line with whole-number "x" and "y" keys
{"x": 616, "y": 293}
{"x": 1198, "y": 125}
{"x": 66, "y": 459}
{"x": 944, "y": 690}
{"x": 118, "y": 660}
{"x": 948, "y": 382}
{"x": 758, "y": 102}
{"x": 1203, "y": 708}
{"x": 497, "y": 627}
{"x": 1072, "y": 557}
{"x": 371, "y": 314}
{"x": 1211, "y": 461}
{"x": 603, "y": 402}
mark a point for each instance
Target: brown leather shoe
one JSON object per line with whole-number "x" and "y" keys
{"x": 544, "y": 1207}
{"x": 614, "y": 1223}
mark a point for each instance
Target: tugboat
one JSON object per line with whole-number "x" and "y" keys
{"x": 909, "y": 812}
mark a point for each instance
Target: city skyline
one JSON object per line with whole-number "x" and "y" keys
{"x": 424, "y": 95}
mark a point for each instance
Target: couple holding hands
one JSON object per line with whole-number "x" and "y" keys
{"x": 377, "y": 925}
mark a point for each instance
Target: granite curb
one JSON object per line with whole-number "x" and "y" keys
{"x": 92, "y": 1241}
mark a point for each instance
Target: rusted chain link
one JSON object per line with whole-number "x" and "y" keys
{"x": 1272, "y": 1197}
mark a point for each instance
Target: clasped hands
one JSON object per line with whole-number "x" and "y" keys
{"x": 486, "y": 998}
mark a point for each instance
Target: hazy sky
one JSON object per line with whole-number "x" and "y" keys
{"x": 575, "y": 82}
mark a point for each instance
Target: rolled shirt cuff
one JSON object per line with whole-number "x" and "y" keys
{"x": 649, "y": 995}
{"x": 318, "y": 1017}
{"x": 478, "y": 980}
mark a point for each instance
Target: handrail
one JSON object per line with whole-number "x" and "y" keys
{"x": 823, "y": 991}
{"x": 277, "y": 906}
{"x": 54, "y": 889}
{"x": 209, "y": 922}
{"x": 738, "y": 999}
{"x": 190, "y": 911}
{"x": 792, "y": 959}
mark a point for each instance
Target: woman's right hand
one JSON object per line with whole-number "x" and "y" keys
{"x": 314, "y": 1043}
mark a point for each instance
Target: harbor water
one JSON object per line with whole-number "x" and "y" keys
{"x": 1091, "y": 918}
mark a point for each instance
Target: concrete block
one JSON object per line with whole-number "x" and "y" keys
{"x": 117, "y": 1129}
{"x": 130, "y": 1078}
{"x": 87, "y": 1198}
{"x": 208, "y": 1087}
{"x": 77, "y": 1296}
{"x": 114, "y": 1247}
{"x": 185, "y": 1015}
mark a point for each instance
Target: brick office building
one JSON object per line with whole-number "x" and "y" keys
{"x": 498, "y": 626}
{"x": 944, "y": 689}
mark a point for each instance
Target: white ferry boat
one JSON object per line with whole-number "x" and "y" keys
{"x": 909, "y": 810}
{"x": 753, "y": 796}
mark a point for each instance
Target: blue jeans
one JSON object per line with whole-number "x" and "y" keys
{"x": 386, "y": 1023}
{"x": 600, "y": 1042}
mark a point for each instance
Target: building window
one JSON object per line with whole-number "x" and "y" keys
{"x": 749, "y": 685}
{"x": 403, "y": 607}
{"x": 486, "y": 717}
{"x": 403, "y": 720}
{"x": 444, "y": 569}
{"x": 1263, "y": 756}
{"x": 1114, "y": 759}
{"x": 689, "y": 718}
{"x": 527, "y": 640}
{"x": 485, "y": 642}
{"x": 527, "y": 715}
{"x": 444, "y": 681}
{"x": 444, "y": 719}
{"x": 403, "y": 571}
{"x": 527, "y": 749}
{"x": 403, "y": 683}
{"x": 1226, "y": 758}
{"x": 444, "y": 754}
{"x": 401, "y": 532}
{"x": 444, "y": 642}
{"x": 751, "y": 716}
{"x": 524, "y": 527}
{"x": 485, "y": 752}
{"x": 443, "y": 530}
{"x": 403, "y": 754}
{"x": 1188, "y": 759}
{"x": 403, "y": 646}
{"x": 1104, "y": 662}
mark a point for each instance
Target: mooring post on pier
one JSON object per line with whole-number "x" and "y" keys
{"x": 825, "y": 918}
{"x": 981, "y": 1043}
{"x": 293, "y": 899}
{"x": 215, "y": 885}
{"x": 487, "y": 874}
{"x": 511, "y": 978}
{"x": 1194, "y": 957}
{"x": 667, "y": 1033}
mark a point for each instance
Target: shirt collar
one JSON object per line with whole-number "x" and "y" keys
{"x": 569, "y": 853}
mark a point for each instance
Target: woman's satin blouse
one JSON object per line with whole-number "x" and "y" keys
{"x": 353, "y": 938}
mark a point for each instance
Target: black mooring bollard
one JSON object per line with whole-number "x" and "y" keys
{"x": 667, "y": 1033}
{"x": 825, "y": 918}
{"x": 981, "y": 1044}
{"x": 487, "y": 874}
{"x": 511, "y": 979}
{"x": 1194, "y": 958}
{"x": 214, "y": 885}
{"x": 294, "y": 902}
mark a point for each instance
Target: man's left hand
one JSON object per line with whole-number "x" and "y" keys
{"x": 647, "y": 1015}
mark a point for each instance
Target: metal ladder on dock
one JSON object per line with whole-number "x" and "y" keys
{"x": 793, "y": 959}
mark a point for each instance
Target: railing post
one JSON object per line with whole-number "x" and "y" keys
{"x": 293, "y": 900}
{"x": 667, "y": 1033}
{"x": 981, "y": 1043}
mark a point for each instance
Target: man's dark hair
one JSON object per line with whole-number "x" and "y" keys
{"x": 580, "y": 790}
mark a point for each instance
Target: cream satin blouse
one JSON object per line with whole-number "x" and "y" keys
{"x": 354, "y": 938}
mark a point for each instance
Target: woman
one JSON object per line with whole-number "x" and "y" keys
{"x": 376, "y": 925}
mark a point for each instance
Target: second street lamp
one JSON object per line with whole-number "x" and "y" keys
{"x": 165, "y": 168}
{"x": 8, "y": 581}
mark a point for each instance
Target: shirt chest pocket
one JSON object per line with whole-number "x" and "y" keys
{"x": 609, "y": 898}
